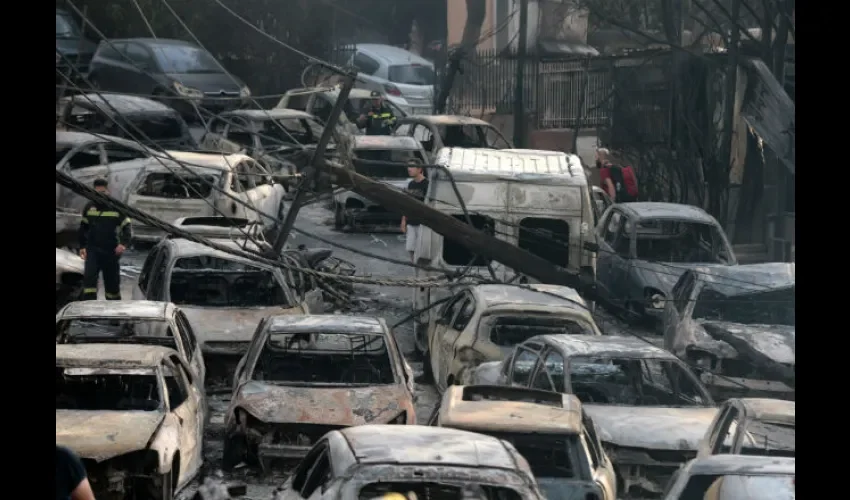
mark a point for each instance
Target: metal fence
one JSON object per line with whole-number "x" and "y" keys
{"x": 558, "y": 93}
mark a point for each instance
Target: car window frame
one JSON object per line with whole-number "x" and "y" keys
{"x": 180, "y": 380}
{"x": 519, "y": 349}
{"x": 468, "y": 303}
{"x": 147, "y": 266}
{"x": 186, "y": 334}
{"x": 369, "y": 60}
{"x": 149, "y": 64}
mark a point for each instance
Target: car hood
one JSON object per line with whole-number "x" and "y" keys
{"x": 652, "y": 428}
{"x": 660, "y": 275}
{"x": 101, "y": 435}
{"x": 75, "y": 46}
{"x": 725, "y": 339}
{"x": 208, "y": 82}
{"x": 341, "y": 406}
{"x": 230, "y": 324}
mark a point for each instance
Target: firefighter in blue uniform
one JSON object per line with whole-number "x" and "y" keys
{"x": 104, "y": 235}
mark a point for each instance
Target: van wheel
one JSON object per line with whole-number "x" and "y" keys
{"x": 339, "y": 217}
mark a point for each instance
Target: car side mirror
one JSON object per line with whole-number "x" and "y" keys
{"x": 591, "y": 246}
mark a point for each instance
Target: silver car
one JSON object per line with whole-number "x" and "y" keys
{"x": 405, "y": 78}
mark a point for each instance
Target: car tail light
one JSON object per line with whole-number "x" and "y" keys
{"x": 392, "y": 90}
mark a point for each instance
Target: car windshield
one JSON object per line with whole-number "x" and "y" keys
{"x": 440, "y": 490}
{"x": 97, "y": 389}
{"x": 206, "y": 281}
{"x": 471, "y": 136}
{"x": 549, "y": 455}
{"x": 395, "y": 172}
{"x": 325, "y": 359}
{"x": 769, "y": 438}
{"x": 680, "y": 241}
{"x": 770, "y": 307}
{"x": 66, "y": 27}
{"x": 184, "y": 59}
{"x": 634, "y": 382}
{"x": 761, "y": 487}
{"x": 115, "y": 330}
{"x": 183, "y": 185}
{"x": 412, "y": 74}
{"x": 510, "y": 330}
{"x": 300, "y": 130}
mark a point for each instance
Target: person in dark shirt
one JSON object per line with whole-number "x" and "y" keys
{"x": 377, "y": 118}
{"x": 418, "y": 188}
{"x": 71, "y": 480}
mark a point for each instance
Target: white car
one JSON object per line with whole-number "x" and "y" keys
{"x": 203, "y": 185}
{"x": 133, "y": 414}
{"x": 405, "y": 78}
{"x": 735, "y": 477}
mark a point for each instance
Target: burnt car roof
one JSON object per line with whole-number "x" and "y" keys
{"x": 142, "y": 309}
{"x": 66, "y": 138}
{"x": 123, "y": 104}
{"x": 421, "y": 445}
{"x": 743, "y": 464}
{"x": 445, "y": 120}
{"x": 187, "y": 248}
{"x": 768, "y": 409}
{"x": 89, "y": 355}
{"x": 537, "y": 294}
{"x": 506, "y": 415}
{"x": 659, "y": 210}
{"x": 751, "y": 278}
{"x": 331, "y": 323}
{"x": 385, "y": 142}
{"x": 605, "y": 346}
{"x": 268, "y": 114}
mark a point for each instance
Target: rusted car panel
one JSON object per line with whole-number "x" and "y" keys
{"x": 370, "y": 460}
{"x": 645, "y": 246}
{"x": 647, "y": 429}
{"x": 483, "y": 322}
{"x": 752, "y": 426}
{"x": 304, "y": 375}
{"x": 731, "y": 477}
{"x": 130, "y": 411}
{"x": 737, "y": 324}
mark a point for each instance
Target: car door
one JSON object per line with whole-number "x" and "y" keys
{"x": 148, "y": 269}
{"x": 157, "y": 284}
{"x": 193, "y": 350}
{"x": 456, "y": 337}
{"x": 607, "y": 232}
{"x": 621, "y": 261}
{"x": 312, "y": 475}
{"x": 185, "y": 408}
{"x": 136, "y": 78}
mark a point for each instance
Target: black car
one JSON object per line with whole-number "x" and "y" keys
{"x": 181, "y": 73}
{"x": 126, "y": 116}
{"x": 73, "y": 47}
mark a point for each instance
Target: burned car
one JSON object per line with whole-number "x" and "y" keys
{"x": 131, "y": 322}
{"x": 369, "y": 461}
{"x": 452, "y": 131}
{"x": 318, "y": 101}
{"x": 484, "y": 322}
{"x": 650, "y": 410}
{"x": 752, "y": 426}
{"x": 203, "y": 185}
{"x": 135, "y": 416}
{"x": 735, "y": 477}
{"x": 223, "y": 296}
{"x": 279, "y": 138}
{"x": 601, "y": 202}
{"x": 304, "y": 376}
{"x": 69, "y": 277}
{"x": 549, "y": 429}
{"x": 352, "y": 210}
{"x": 643, "y": 249}
{"x": 126, "y": 116}
{"x": 737, "y": 324}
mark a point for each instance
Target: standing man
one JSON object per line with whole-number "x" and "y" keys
{"x": 104, "y": 235}
{"x": 603, "y": 163}
{"x": 377, "y": 118}
{"x": 71, "y": 480}
{"x": 418, "y": 188}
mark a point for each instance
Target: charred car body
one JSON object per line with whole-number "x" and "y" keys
{"x": 450, "y": 131}
{"x": 304, "y": 376}
{"x": 733, "y": 477}
{"x": 133, "y": 414}
{"x": 203, "y": 184}
{"x": 549, "y": 429}
{"x": 651, "y": 412}
{"x": 643, "y": 249}
{"x": 351, "y": 209}
{"x": 737, "y": 324}
{"x": 483, "y": 323}
{"x": 69, "y": 277}
{"x": 126, "y": 116}
{"x": 752, "y": 426}
{"x": 368, "y": 461}
{"x": 131, "y": 322}
{"x": 318, "y": 101}
{"x": 223, "y": 296}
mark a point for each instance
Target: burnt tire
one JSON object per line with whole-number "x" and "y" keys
{"x": 235, "y": 452}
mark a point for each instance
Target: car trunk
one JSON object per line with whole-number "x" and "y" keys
{"x": 169, "y": 196}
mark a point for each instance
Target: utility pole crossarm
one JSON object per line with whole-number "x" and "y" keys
{"x": 476, "y": 241}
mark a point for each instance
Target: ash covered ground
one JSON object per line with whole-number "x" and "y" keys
{"x": 391, "y": 303}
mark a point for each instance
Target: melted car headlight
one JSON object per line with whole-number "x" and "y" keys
{"x": 401, "y": 419}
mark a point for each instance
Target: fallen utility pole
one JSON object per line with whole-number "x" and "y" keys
{"x": 312, "y": 174}
{"x": 474, "y": 240}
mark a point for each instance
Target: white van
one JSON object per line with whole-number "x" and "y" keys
{"x": 537, "y": 200}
